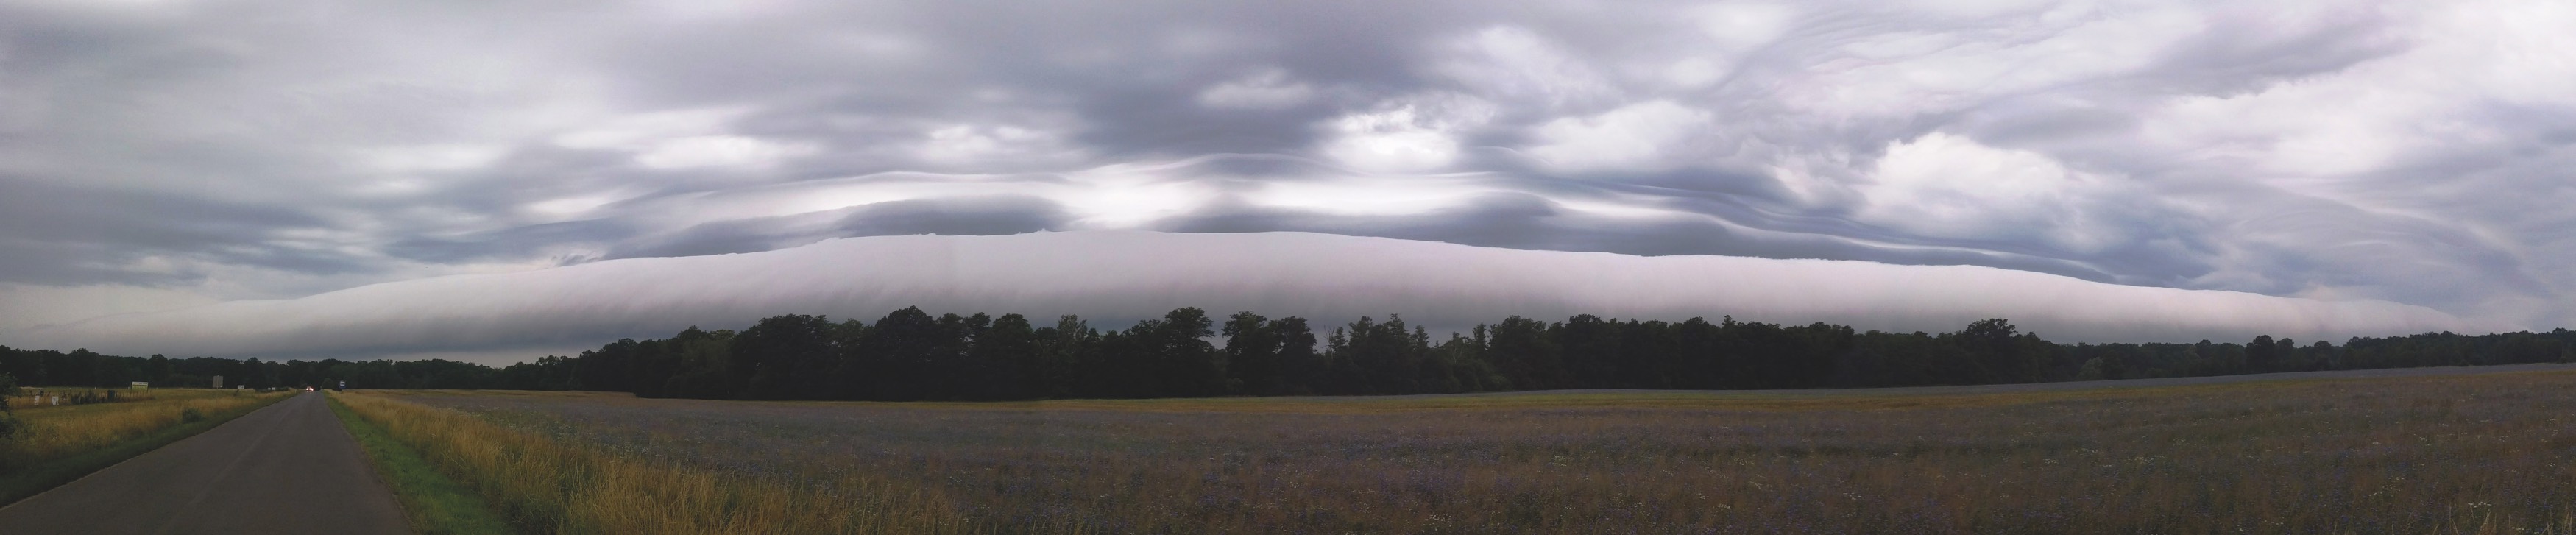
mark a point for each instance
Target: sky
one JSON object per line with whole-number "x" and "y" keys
{"x": 286, "y": 177}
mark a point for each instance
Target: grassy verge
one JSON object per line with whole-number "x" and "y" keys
{"x": 435, "y": 504}
{"x": 543, "y": 486}
{"x": 65, "y": 444}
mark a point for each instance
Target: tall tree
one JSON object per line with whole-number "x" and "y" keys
{"x": 785, "y": 357}
{"x": 1005, "y": 354}
{"x": 1179, "y": 361}
{"x": 899, "y": 351}
{"x": 1300, "y": 367}
{"x": 1252, "y": 354}
{"x": 2261, "y": 355}
{"x": 1527, "y": 354}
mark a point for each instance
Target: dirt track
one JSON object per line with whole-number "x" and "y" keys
{"x": 288, "y": 468}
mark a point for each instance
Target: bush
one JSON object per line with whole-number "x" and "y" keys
{"x": 190, "y": 415}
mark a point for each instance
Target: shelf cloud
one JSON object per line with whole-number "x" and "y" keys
{"x": 1117, "y": 277}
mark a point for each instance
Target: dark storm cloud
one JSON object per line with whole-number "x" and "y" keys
{"x": 1522, "y": 221}
{"x": 509, "y": 242}
{"x": 955, "y": 217}
{"x": 61, "y": 234}
{"x": 961, "y": 216}
{"x": 276, "y": 148}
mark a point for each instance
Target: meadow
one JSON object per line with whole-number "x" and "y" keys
{"x": 2482, "y": 453}
{"x": 51, "y": 444}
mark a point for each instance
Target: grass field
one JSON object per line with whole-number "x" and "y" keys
{"x": 59, "y": 443}
{"x": 2491, "y": 453}
{"x": 542, "y": 485}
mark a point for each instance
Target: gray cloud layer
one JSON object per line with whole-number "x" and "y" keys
{"x": 161, "y": 154}
{"x": 1115, "y": 278}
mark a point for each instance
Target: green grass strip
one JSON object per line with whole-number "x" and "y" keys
{"x": 43, "y": 477}
{"x": 437, "y": 505}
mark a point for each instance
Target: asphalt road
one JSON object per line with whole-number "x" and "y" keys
{"x": 288, "y": 468}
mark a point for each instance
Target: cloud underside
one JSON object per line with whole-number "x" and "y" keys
{"x": 1114, "y": 278}
{"x": 161, "y": 155}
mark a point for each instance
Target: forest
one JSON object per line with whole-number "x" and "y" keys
{"x": 911, "y": 355}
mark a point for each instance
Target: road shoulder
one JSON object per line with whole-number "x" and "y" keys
{"x": 434, "y": 503}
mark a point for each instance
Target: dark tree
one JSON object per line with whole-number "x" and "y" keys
{"x": 1526, "y": 353}
{"x": 1175, "y": 357}
{"x": 1252, "y": 355}
{"x": 2261, "y": 355}
{"x": 786, "y": 357}
{"x": 1301, "y": 369}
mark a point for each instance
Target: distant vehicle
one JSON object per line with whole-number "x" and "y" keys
{"x": 308, "y": 389}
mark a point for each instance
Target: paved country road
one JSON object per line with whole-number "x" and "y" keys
{"x": 288, "y": 468}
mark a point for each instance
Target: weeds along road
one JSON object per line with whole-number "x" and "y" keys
{"x": 285, "y": 469}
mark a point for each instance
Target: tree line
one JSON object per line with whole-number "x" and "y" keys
{"x": 911, "y": 355}
{"x": 83, "y": 368}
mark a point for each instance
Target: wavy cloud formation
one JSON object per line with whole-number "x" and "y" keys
{"x": 1114, "y": 278}
{"x": 160, "y": 155}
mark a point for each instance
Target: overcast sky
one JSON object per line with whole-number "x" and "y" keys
{"x": 2348, "y": 155}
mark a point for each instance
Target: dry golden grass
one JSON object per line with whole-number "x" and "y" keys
{"x": 2492, "y": 453}
{"x": 547, "y": 487}
{"x": 54, "y": 432}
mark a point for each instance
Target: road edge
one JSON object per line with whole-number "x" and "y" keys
{"x": 432, "y": 503}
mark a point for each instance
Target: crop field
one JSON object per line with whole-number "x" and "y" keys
{"x": 2482, "y": 453}
{"x": 45, "y": 445}
{"x": 55, "y": 431}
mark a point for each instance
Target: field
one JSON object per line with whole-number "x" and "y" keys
{"x": 2482, "y": 453}
{"x": 56, "y": 443}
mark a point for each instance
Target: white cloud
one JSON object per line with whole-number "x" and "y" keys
{"x": 1347, "y": 197}
{"x": 2511, "y": 49}
{"x": 1266, "y": 89}
{"x": 1637, "y": 137}
{"x": 1515, "y": 63}
{"x": 1974, "y": 9}
{"x": 33, "y": 306}
{"x": 1412, "y": 134}
{"x": 633, "y": 131}
{"x": 567, "y": 208}
{"x": 1129, "y": 195}
{"x": 1951, "y": 186}
{"x": 1693, "y": 73}
{"x": 1904, "y": 72}
{"x": 683, "y": 139}
{"x": 1738, "y": 26}
{"x": 978, "y": 146}
{"x": 717, "y": 151}
{"x": 431, "y": 157}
